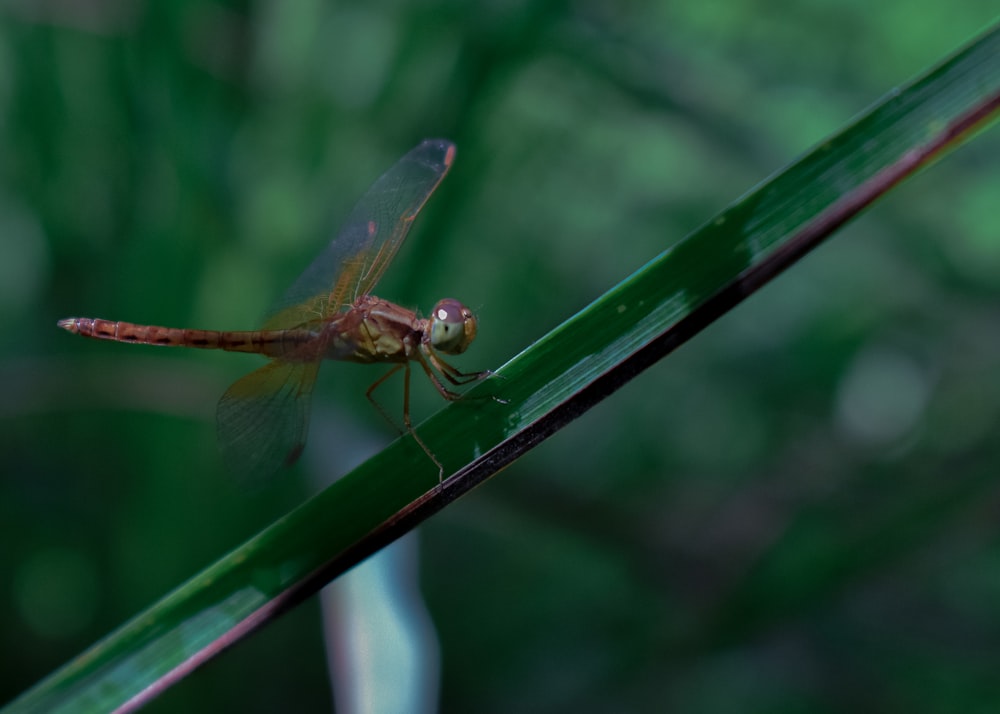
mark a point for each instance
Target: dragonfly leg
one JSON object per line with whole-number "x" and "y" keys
{"x": 451, "y": 373}
{"x": 407, "y": 423}
{"x": 409, "y": 427}
{"x": 432, "y": 375}
{"x": 455, "y": 376}
{"x": 370, "y": 394}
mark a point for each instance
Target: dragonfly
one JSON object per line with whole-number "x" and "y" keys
{"x": 329, "y": 313}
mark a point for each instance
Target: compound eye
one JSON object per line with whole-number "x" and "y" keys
{"x": 453, "y": 327}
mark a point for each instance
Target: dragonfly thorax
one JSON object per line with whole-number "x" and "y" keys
{"x": 452, "y": 327}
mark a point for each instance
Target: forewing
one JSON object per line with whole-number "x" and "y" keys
{"x": 263, "y": 418}
{"x": 356, "y": 258}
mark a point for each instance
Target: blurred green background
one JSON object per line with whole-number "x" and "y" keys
{"x": 796, "y": 512}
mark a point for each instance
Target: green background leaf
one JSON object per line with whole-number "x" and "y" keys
{"x": 674, "y": 546}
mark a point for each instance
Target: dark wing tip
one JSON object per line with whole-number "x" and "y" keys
{"x": 437, "y": 151}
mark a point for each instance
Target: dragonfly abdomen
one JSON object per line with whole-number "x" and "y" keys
{"x": 273, "y": 343}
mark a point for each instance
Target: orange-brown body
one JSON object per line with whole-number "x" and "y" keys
{"x": 263, "y": 417}
{"x": 372, "y": 330}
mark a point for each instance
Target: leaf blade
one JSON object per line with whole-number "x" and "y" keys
{"x": 546, "y": 386}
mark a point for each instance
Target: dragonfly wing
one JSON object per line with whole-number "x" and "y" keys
{"x": 356, "y": 258}
{"x": 263, "y": 418}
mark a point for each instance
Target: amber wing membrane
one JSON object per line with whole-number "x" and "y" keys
{"x": 263, "y": 418}
{"x": 353, "y": 262}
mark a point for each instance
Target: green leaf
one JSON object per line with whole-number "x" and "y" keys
{"x": 541, "y": 390}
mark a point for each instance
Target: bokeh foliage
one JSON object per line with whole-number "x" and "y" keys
{"x": 805, "y": 524}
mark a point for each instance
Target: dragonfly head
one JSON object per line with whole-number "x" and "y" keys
{"x": 453, "y": 327}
